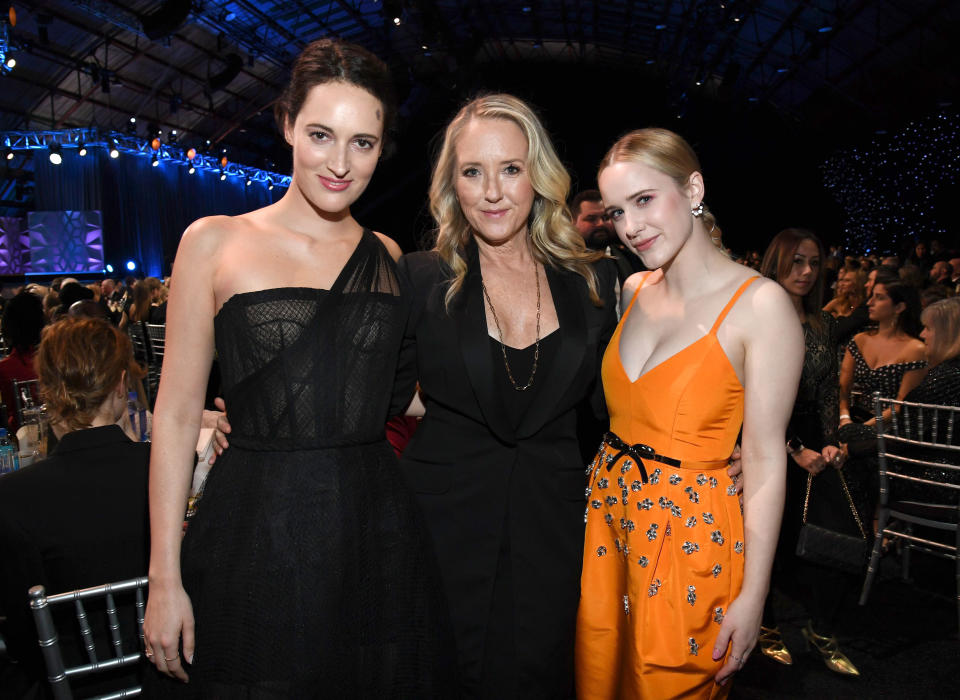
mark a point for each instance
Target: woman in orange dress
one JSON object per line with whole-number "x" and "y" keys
{"x": 675, "y": 573}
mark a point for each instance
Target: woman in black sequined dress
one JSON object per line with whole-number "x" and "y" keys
{"x": 794, "y": 260}
{"x": 306, "y": 571}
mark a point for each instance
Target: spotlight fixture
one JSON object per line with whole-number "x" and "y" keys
{"x": 173, "y": 137}
{"x": 131, "y": 265}
{"x": 248, "y": 182}
{"x": 82, "y": 149}
{"x": 223, "y": 162}
{"x": 396, "y": 21}
{"x": 223, "y": 176}
{"x": 109, "y": 268}
{"x": 55, "y": 156}
{"x": 155, "y": 144}
{"x": 191, "y": 170}
{"x": 191, "y": 153}
{"x": 114, "y": 149}
{"x": 132, "y": 126}
{"x": 269, "y": 184}
{"x": 11, "y": 63}
{"x": 154, "y": 161}
{"x": 8, "y": 153}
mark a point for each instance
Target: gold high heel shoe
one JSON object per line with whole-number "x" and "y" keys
{"x": 829, "y": 650}
{"x": 771, "y": 645}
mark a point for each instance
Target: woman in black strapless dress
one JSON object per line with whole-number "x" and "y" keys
{"x": 306, "y": 571}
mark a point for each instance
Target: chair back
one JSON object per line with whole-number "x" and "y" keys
{"x": 57, "y": 673}
{"x": 156, "y": 333}
{"x": 918, "y": 448}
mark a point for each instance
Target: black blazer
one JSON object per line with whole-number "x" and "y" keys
{"x": 73, "y": 520}
{"x": 482, "y": 483}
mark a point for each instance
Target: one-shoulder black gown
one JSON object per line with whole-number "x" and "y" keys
{"x": 306, "y": 563}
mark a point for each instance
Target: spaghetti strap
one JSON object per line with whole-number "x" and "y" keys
{"x": 646, "y": 274}
{"x": 733, "y": 300}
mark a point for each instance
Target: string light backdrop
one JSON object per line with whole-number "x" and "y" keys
{"x": 900, "y": 186}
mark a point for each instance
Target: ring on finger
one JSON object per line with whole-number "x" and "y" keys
{"x": 172, "y": 658}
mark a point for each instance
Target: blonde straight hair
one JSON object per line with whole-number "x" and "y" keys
{"x": 556, "y": 241}
{"x": 944, "y": 317}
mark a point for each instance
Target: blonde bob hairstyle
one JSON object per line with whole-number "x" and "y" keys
{"x": 668, "y": 152}
{"x": 944, "y": 318}
{"x": 555, "y": 240}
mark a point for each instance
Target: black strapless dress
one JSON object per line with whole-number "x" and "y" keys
{"x": 306, "y": 563}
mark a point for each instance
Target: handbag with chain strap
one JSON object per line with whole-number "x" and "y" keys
{"x": 826, "y": 547}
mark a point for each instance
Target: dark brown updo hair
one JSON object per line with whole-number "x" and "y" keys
{"x": 79, "y": 362}
{"x": 329, "y": 61}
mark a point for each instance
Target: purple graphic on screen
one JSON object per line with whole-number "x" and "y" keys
{"x": 14, "y": 251}
{"x": 65, "y": 241}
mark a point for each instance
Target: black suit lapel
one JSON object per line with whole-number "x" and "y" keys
{"x": 573, "y": 342}
{"x": 474, "y": 340}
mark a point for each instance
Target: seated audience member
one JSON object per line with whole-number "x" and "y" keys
{"x": 941, "y": 340}
{"x": 87, "y": 308}
{"x": 71, "y": 292}
{"x": 859, "y": 318}
{"x": 933, "y": 294}
{"x": 849, "y": 293}
{"x": 955, "y": 277}
{"x": 51, "y": 305}
{"x": 144, "y": 293}
{"x": 888, "y": 359}
{"x": 913, "y": 275}
{"x": 941, "y": 272}
{"x": 23, "y": 320}
{"x": 890, "y": 261}
{"x": 79, "y": 517}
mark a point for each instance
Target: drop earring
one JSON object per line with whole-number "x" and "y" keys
{"x": 697, "y": 211}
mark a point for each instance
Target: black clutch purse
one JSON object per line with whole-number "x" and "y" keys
{"x": 836, "y": 550}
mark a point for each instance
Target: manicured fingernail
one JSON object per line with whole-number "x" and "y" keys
{"x": 190, "y": 660}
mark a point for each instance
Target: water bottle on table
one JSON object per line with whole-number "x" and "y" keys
{"x": 9, "y": 460}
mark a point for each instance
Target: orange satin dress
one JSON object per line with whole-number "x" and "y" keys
{"x": 662, "y": 558}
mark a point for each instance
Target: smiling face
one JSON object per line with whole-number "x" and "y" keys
{"x": 336, "y": 140}
{"x": 843, "y": 282}
{"x": 804, "y": 271}
{"x": 650, "y": 214}
{"x": 491, "y": 179}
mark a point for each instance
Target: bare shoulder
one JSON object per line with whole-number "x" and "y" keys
{"x": 768, "y": 307}
{"x": 390, "y": 245}
{"x": 915, "y": 350}
{"x": 640, "y": 280}
{"x": 209, "y": 233}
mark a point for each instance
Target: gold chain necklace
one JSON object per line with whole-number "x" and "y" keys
{"x": 503, "y": 348}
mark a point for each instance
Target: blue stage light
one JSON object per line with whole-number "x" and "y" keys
{"x": 131, "y": 265}
{"x": 109, "y": 268}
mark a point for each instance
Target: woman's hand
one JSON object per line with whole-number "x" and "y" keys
{"x": 808, "y": 459}
{"x": 833, "y": 456}
{"x": 739, "y": 630}
{"x": 169, "y": 616}
{"x": 735, "y": 470}
{"x": 220, "y": 430}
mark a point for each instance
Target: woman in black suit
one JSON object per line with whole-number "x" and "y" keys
{"x": 510, "y": 315}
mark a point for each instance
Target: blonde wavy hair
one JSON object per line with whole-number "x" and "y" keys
{"x": 555, "y": 240}
{"x": 668, "y": 152}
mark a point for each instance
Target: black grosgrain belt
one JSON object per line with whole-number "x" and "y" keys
{"x": 638, "y": 452}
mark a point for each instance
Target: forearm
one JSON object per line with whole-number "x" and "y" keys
{"x": 763, "y": 494}
{"x": 175, "y": 432}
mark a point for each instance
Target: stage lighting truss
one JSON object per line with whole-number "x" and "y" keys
{"x": 7, "y": 61}
{"x": 22, "y": 141}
